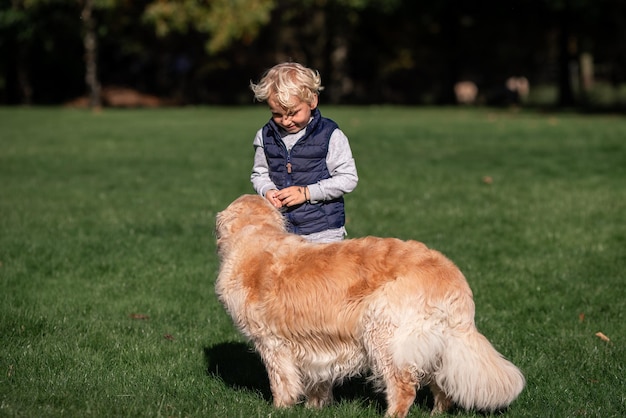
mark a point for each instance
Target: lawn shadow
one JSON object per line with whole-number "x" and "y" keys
{"x": 359, "y": 389}
{"x": 240, "y": 367}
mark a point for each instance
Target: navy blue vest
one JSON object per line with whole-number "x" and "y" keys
{"x": 305, "y": 164}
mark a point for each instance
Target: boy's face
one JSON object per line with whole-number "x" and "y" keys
{"x": 295, "y": 119}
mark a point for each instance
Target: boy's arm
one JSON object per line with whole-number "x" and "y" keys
{"x": 342, "y": 168}
{"x": 260, "y": 176}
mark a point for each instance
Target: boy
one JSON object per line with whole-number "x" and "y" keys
{"x": 303, "y": 163}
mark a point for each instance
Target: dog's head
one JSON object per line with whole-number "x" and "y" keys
{"x": 247, "y": 210}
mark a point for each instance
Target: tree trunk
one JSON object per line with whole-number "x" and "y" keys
{"x": 340, "y": 82}
{"x": 23, "y": 77}
{"x": 91, "y": 56}
{"x": 566, "y": 44}
{"x": 586, "y": 72}
{"x": 450, "y": 74}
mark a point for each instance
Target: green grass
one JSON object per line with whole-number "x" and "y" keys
{"x": 107, "y": 253}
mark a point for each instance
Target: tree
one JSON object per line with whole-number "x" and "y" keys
{"x": 585, "y": 27}
{"x": 224, "y": 21}
{"x": 90, "y": 26}
{"x": 314, "y": 31}
{"x": 29, "y": 25}
{"x": 90, "y": 41}
{"x": 18, "y": 24}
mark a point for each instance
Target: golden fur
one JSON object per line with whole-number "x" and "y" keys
{"x": 319, "y": 313}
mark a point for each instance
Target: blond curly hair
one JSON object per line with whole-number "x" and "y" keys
{"x": 286, "y": 82}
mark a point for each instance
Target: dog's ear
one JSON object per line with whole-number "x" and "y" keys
{"x": 245, "y": 211}
{"x": 259, "y": 211}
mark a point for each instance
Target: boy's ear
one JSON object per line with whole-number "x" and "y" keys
{"x": 314, "y": 102}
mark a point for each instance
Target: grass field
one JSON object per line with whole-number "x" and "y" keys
{"x": 107, "y": 252}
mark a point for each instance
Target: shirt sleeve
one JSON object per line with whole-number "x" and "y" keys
{"x": 260, "y": 176}
{"x": 343, "y": 174}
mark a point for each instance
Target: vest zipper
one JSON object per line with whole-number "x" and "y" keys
{"x": 288, "y": 165}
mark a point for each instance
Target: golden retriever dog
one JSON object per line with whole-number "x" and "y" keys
{"x": 394, "y": 310}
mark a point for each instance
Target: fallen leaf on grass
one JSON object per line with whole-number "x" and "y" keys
{"x": 602, "y": 336}
{"x": 138, "y": 316}
{"x": 581, "y": 317}
{"x": 169, "y": 337}
{"x": 487, "y": 179}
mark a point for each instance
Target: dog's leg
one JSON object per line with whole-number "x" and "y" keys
{"x": 401, "y": 388}
{"x": 400, "y": 384}
{"x": 442, "y": 402}
{"x": 285, "y": 381}
{"x": 320, "y": 395}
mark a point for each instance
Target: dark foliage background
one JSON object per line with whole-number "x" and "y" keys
{"x": 368, "y": 51}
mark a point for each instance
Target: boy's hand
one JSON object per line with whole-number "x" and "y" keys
{"x": 293, "y": 195}
{"x": 271, "y": 196}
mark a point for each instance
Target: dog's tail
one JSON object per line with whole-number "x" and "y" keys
{"x": 476, "y": 376}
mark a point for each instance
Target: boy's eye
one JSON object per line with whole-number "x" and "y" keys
{"x": 287, "y": 114}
